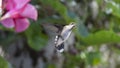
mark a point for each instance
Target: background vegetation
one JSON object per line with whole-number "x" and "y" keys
{"x": 97, "y": 34}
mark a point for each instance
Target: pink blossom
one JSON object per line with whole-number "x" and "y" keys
{"x": 17, "y": 12}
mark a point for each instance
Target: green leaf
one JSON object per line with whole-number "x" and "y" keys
{"x": 117, "y": 1}
{"x": 115, "y": 8}
{"x": 50, "y": 66}
{"x": 81, "y": 29}
{"x": 93, "y": 58}
{"x": 3, "y": 63}
{"x": 99, "y": 2}
{"x": 101, "y": 37}
{"x": 60, "y": 8}
{"x": 36, "y": 39}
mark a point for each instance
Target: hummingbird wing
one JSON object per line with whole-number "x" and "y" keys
{"x": 50, "y": 27}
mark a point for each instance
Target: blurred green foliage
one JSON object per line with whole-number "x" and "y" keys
{"x": 36, "y": 39}
{"x": 3, "y": 63}
{"x": 104, "y": 36}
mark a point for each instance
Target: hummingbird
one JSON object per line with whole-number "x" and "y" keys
{"x": 61, "y": 38}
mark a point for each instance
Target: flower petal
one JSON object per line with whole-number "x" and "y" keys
{"x": 16, "y": 4}
{"x": 11, "y": 14}
{"x": 29, "y": 12}
{"x": 8, "y": 23}
{"x": 9, "y": 4}
{"x": 21, "y": 3}
{"x": 21, "y": 24}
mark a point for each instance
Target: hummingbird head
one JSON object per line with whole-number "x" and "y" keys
{"x": 70, "y": 26}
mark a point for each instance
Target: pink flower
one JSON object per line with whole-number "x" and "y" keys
{"x": 17, "y": 12}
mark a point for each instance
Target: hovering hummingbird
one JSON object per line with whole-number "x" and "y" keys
{"x": 63, "y": 36}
